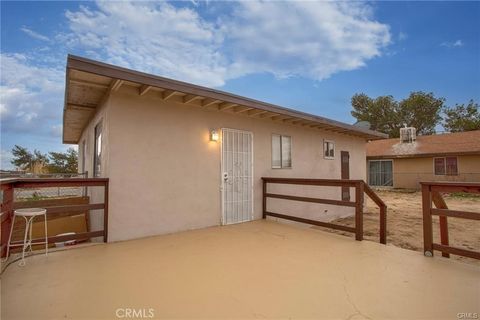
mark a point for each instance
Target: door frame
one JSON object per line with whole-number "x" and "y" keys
{"x": 222, "y": 181}
{"x": 345, "y": 189}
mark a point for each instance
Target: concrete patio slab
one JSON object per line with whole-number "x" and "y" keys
{"x": 260, "y": 269}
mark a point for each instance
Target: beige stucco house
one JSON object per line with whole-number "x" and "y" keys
{"x": 181, "y": 156}
{"x": 443, "y": 157}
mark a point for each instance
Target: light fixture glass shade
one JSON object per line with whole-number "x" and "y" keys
{"x": 213, "y": 135}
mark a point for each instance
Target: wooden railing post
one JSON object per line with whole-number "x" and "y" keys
{"x": 105, "y": 212}
{"x": 440, "y": 204}
{"x": 383, "y": 224}
{"x": 427, "y": 220}
{"x": 359, "y": 198}
{"x": 264, "y": 199}
{"x": 7, "y": 216}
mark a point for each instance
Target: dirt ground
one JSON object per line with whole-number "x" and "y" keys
{"x": 404, "y": 222}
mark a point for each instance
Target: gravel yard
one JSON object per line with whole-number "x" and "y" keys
{"x": 404, "y": 222}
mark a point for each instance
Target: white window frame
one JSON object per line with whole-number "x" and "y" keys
{"x": 333, "y": 144}
{"x": 84, "y": 156}
{"x": 281, "y": 151}
{"x": 97, "y": 161}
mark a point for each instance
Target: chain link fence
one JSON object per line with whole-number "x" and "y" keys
{"x": 24, "y": 194}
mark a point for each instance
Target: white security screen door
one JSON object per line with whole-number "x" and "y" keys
{"x": 237, "y": 176}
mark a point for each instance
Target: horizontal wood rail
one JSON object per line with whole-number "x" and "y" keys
{"x": 314, "y": 200}
{"x": 360, "y": 189}
{"x": 8, "y": 206}
{"x": 432, "y": 193}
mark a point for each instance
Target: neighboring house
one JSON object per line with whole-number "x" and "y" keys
{"x": 443, "y": 157}
{"x": 181, "y": 156}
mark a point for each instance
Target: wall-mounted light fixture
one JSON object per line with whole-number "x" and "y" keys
{"x": 213, "y": 135}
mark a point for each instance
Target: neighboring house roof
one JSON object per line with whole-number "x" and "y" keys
{"x": 441, "y": 144}
{"x": 89, "y": 83}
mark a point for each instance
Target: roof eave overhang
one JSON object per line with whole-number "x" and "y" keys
{"x": 119, "y": 73}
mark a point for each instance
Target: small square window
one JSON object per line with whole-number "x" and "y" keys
{"x": 328, "y": 149}
{"x": 281, "y": 151}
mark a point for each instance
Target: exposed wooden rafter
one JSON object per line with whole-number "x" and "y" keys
{"x": 242, "y": 109}
{"x": 89, "y": 83}
{"x": 268, "y": 115}
{"x": 226, "y": 105}
{"x": 167, "y": 94}
{"x": 190, "y": 98}
{"x": 256, "y": 112}
{"x": 144, "y": 89}
{"x": 208, "y": 102}
{"x": 281, "y": 117}
{"x": 81, "y": 106}
{"x": 116, "y": 84}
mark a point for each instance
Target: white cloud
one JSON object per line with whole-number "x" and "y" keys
{"x": 31, "y": 96}
{"x": 5, "y": 158}
{"x": 152, "y": 37}
{"x": 452, "y": 44}
{"x": 402, "y": 36}
{"x": 34, "y": 34}
{"x": 309, "y": 39}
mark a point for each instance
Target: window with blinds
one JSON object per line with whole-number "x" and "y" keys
{"x": 445, "y": 166}
{"x": 281, "y": 151}
{"x": 328, "y": 149}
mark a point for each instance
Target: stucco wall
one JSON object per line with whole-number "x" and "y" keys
{"x": 165, "y": 173}
{"x": 407, "y": 173}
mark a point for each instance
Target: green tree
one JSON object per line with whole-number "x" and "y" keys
{"x": 25, "y": 160}
{"x": 420, "y": 110}
{"x": 462, "y": 118}
{"x": 22, "y": 158}
{"x": 381, "y": 113}
{"x": 63, "y": 162}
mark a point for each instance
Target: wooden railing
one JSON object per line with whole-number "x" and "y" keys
{"x": 8, "y": 205}
{"x": 432, "y": 192}
{"x": 360, "y": 188}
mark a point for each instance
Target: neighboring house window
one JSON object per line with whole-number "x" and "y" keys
{"x": 328, "y": 149}
{"x": 97, "y": 155}
{"x": 445, "y": 166}
{"x": 451, "y": 166}
{"x": 439, "y": 164}
{"x": 281, "y": 151}
{"x": 380, "y": 173}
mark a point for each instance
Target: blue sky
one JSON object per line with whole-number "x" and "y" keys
{"x": 311, "y": 56}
